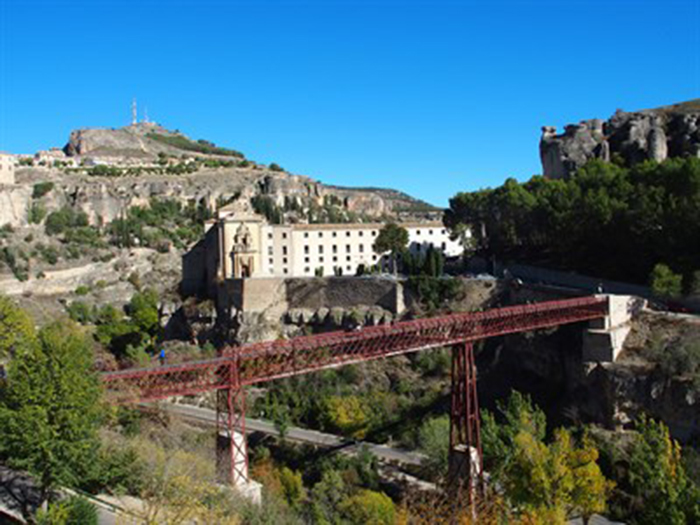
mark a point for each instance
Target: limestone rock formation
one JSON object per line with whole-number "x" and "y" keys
{"x": 656, "y": 134}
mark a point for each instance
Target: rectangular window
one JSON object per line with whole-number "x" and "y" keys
{"x": 320, "y": 249}
{"x": 306, "y": 249}
{"x": 335, "y": 248}
{"x": 335, "y": 259}
{"x": 347, "y": 258}
{"x": 374, "y": 233}
{"x": 362, "y": 248}
{"x": 361, "y": 233}
{"x": 444, "y": 246}
{"x": 320, "y": 259}
{"x": 284, "y": 235}
{"x": 307, "y": 269}
{"x": 284, "y": 260}
{"x": 347, "y": 234}
{"x": 285, "y": 271}
{"x": 306, "y": 259}
{"x": 335, "y": 234}
{"x": 430, "y": 232}
{"x": 269, "y": 250}
{"x": 417, "y": 232}
{"x": 320, "y": 234}
{"x": 443, "y": 232}
{"x": 269, "y": 236}
{"x": 347, "y": 248}
{"x": 271, "y": 262}
{"x": 284, "y": 250}
{"x": 306, "y": 235}
{"x": 349, "y": 268}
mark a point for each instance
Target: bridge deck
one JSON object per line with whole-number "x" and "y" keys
{"x": 265, "y": 361}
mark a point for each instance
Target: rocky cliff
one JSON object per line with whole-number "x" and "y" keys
{"x": 657, "y": 134}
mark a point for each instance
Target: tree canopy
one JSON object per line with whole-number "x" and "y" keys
{"x": 392, "y": 238}
{"x": 607, "y": 220}
{"x": 49, "y": 412}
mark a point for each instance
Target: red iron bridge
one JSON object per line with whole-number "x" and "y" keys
{"x": 255, "y": 363}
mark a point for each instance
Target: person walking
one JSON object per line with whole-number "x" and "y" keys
{"x": 161, "y": 356}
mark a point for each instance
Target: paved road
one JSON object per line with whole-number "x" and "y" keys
{"x": 300, "y": 435}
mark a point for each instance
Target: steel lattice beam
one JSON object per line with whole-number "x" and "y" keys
{"x": 260, "y": 362}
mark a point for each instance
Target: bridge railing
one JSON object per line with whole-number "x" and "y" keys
{"x": 259, "y": 362}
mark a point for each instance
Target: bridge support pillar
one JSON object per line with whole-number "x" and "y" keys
{"x": 465, "y": 462}
{"x": 232, "y": 447}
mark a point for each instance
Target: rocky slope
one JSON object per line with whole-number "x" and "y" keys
{"x": 657, "y": 134}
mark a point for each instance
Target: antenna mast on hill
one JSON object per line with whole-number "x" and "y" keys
{"x": 134, "y": 115}
{"x": 145, "y": 115}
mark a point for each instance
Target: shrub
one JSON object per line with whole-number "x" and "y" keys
{"x": 82, "y": 290}
{"x": 66, "y": 218}
{"x": 103, "y": 170}
{"x": 37, "y": 213}
{"x": 368, "y": 506}
{"x": 75, "y": 510}
{"x": 275, "y": 167}
{"x": 664, "y": 282}
{"x": 40, "y": 189}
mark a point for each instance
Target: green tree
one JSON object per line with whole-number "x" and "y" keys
{"x": 392, "y": 238}
{"x": 368, "y": 507}
{"x": 434, "y": 442}
{"x": 555, "y": 480}
{"x": 327, "y": 496}
{"x": 49, "y": 413}
{"x": 17, "y": 332}
{"x": 664, "y": 282}
{"x": 663, "y": 492}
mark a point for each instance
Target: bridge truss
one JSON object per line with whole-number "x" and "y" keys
{"x": 255, "y": 363}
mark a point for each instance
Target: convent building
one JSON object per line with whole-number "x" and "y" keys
{"x": 250, "y": 247}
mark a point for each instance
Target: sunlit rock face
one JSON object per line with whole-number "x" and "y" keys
{"x": 629, "y": 138}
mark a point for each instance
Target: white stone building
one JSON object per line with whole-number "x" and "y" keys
{"x": 250, "y": 247}
{"x": 7, "y": 168}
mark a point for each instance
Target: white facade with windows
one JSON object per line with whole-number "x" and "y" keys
{"x": 250, "y": 247}
{"x": 7, "y": 168}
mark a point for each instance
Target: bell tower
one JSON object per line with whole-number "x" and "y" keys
{"x": 243, "y": 253}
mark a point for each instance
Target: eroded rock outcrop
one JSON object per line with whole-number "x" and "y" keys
{"x": 656, "y": 134}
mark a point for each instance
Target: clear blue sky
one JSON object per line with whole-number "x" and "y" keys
{"x": 429, "y": 97}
